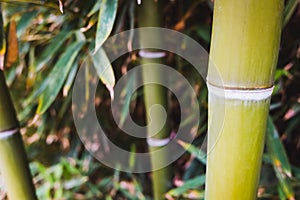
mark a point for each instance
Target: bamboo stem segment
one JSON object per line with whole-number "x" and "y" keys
{"x": 149, "y": 15}
{"x": 13, "y": 160}
{"x": 243, "y": 57}
{"x": 14, "y": 168}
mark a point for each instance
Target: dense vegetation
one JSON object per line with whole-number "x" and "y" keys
{"x": 40, "y": 72}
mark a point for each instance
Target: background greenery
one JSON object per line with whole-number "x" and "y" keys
{"x": 40, "y": 73}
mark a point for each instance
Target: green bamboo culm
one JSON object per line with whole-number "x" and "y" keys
{"x": 243, "y": 57}
{"x": 150, "y": 15}
{"x": 14, "y": 168}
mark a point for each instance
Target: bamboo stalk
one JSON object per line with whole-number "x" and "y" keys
{"x": 13, "y": 161}
{"x": 149, "y": 15}
{"x": 244, "y": 51}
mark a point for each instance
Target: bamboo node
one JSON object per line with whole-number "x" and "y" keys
{"x": 8, "y": 133}
{"x": 249, "y": 94}
{"x": 155, "y": 142}
{"x": 152, "y": 54}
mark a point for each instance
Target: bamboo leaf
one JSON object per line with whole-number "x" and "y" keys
{"x": 57, "y": 77}
{"x": 106, "y": 18}
{"x": 188, "y": 185}
{"x": 204, "y": 32}
{"x": 128, "y": 90}
{"x": 279, "y": 160}
{"x": 198, "y": 153}
{"x": 51, "y": 49}
{"x": 289, "y": 10}
{"x": 70, "y": 79}
{"x": 276, "y": 149}
{"x": 25, "y": 22}
{"x": 104, "y": 70}
{"x": 45, "y": 57}
{"x": 95, "y": 8}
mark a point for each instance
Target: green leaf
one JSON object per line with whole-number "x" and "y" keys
{"x": 188, "y": 185}
{"x": 106, "y": 18}
{"x": 51, "y": 49}
{"x": 276, "y": 149}
{"x": 198, "y": 153}
{"x": 57, "y": 76}
{"x": 25, "y": 22}
{"x": 70, "y": 79}
{"x": 279, "y": 159}
{"x": 95, "y": 8}
{"x": 127, "y": 91}
{"x": 289, "y": 10}
{"x": 104, "y": 70}
{"x": 204, "y": 32}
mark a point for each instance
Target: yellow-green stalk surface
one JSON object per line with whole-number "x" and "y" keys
{"x": 14, "y": 169}
{"x": 245, "y": 42}
{"x": 244, "y": 50}
{"x": 13, "y": 160}
{"x": 235, "y": 148}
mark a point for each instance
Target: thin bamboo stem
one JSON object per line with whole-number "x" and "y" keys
{"x": 149, "y": 15}
{"x": 244, "y": 51}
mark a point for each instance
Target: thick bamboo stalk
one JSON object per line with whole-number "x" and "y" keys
{"x": 244, "y": 50}
{"x": 150, "y": 16}
{"x": 13, "y": 160}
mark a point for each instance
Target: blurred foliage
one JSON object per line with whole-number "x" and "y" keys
{"x": 50, "y": 49}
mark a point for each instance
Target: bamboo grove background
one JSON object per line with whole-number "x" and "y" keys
{"x": 47, "y": 48}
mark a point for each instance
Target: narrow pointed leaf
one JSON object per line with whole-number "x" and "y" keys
{"x": 51, "y": 49}
{"x": 289, "y": 10}
{"x": 106, "y": 18}
{"x": 95, "y": 8}
{"x": 198, "y": 153}
{"x": 57, "y": 76}
{"x": 70, "y": 79}
{"x": 188, "y": 185}
{"x": 128, "y": 90}
{"x": 276, "y": 149}
{"x": 104, "y": 70}
{"x": 280, "y": 161}
{"x": 25, "y": 22}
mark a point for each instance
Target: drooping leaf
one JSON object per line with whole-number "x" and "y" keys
{"x": 104, "y": 70}
{"x": 57, "y": 76}
{"x": 106, "y": 19}
{"x": 44, "y": 58}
